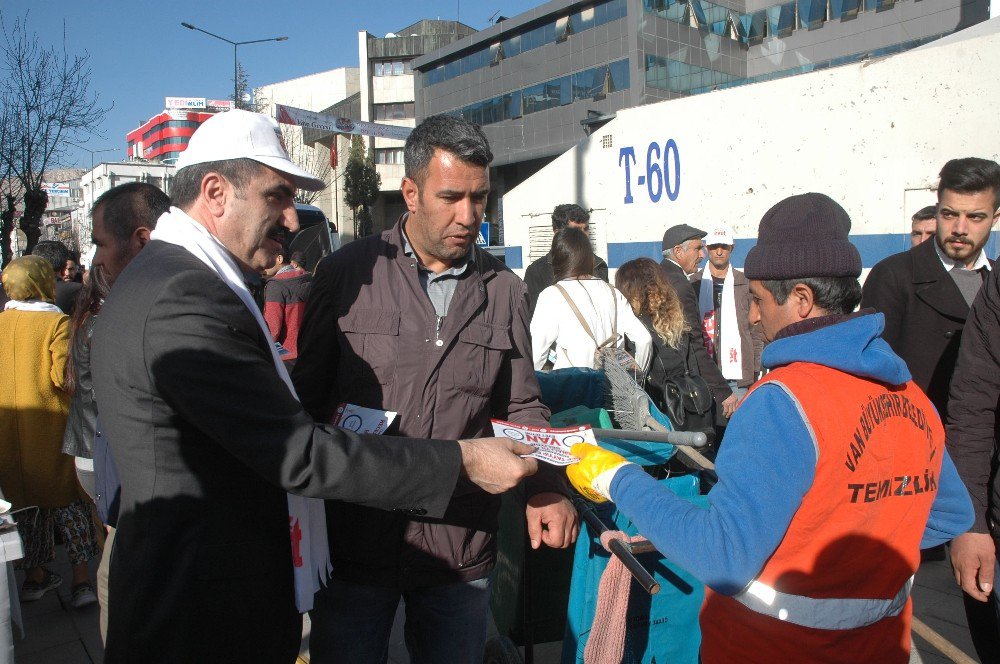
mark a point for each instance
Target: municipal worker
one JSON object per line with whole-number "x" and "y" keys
{"x": 833, "y": 475}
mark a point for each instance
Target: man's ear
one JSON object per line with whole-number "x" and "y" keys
{"x": 804, "y": 300}
{"x": 215, "y": 191}
{"x": 411, "y": 193}
{"x": 140, "y": 237}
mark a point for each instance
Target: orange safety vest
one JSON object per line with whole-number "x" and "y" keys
{"x": 837, "y": 587}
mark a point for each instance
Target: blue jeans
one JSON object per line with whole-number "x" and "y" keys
{"x": 352, "y": 623}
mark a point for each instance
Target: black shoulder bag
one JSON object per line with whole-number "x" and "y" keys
{"x": 687, "y": 399}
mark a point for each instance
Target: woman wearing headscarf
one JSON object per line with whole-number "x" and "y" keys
{"x": 33, "y": 410}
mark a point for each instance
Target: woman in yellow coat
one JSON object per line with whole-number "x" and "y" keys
{"x": 33, "y": 410}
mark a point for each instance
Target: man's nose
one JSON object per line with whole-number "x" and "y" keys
{"x": 466, "y": 213}
{"x": 961, "y": 225}
{"x": 290, "y": 219}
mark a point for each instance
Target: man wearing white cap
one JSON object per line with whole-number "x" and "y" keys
{"x": 209, "y": 435}
{"x": 724, "y": 308}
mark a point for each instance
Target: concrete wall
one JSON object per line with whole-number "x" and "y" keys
{"x": 873, "y": 136}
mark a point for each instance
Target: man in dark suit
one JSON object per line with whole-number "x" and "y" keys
{"x": 683, "y": 249}
{"x": 57, "y": 254}
{"x": 925, "y": 294}
{"x": 539, "y": 274}
{"x": 207, "y": 433}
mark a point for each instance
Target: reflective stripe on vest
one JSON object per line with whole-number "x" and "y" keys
{"x": 821, "y": 613}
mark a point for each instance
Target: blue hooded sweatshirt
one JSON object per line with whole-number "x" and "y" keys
{"x": 766, "y": 466}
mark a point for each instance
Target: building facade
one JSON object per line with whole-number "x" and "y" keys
{"x": 542, "y": 81}
{"x": 388, "y": 97}
{"x": 164, "y": 136}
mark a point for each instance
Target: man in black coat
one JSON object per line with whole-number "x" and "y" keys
{"x": 971, "y": 437}
{"x": 925, "y": 293}
{"x": 208, "y": 435}
{"x": 683, "y": 249}
{"x": 57, "y": 254}
{"x": 539, "y": 275}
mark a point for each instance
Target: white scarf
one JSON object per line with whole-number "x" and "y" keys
{"x": 31, "y": 305}
{"x": 306, "y": 516}
{"x": 728, "y": 350}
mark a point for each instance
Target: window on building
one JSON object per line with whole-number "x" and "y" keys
{"x": 812, "y": 13}
{"x": 397, "y": 111}
{"x": 844, "y": 8}
{"x": 781, "y": 19}
{"x": 391, "y": 68}
{"x": 751, "y": 28}
{"x": 389, "y": 156}
{"x": 559, "y": 29}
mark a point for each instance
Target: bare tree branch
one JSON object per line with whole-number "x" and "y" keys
{"x": 46, "y": 99}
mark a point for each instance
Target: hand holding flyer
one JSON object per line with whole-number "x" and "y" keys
{"x": 551, "y": 445}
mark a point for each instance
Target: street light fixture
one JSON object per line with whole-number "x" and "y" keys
{"x": 92, "y": 152}
{"x": 235, "y": 44}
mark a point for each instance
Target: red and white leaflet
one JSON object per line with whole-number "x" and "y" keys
{"x": 362, "y": 420}
{"x": 551, "y": 445}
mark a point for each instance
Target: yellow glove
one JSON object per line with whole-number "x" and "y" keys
{"x": 592, "y": 476}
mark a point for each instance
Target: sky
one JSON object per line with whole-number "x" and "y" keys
{"x": 139, "y": 52}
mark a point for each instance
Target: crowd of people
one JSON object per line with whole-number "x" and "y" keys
{"x": 166, "y": 412}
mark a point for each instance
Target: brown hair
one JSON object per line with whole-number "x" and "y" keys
{"x": 88, "y": 303}
{"x": 572, "y": 255}
{"x": 646, "y": 289}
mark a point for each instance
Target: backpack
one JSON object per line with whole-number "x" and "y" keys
{"x": 606, "y": 350}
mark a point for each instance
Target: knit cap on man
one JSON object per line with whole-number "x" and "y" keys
{"x": 803, "y": 236}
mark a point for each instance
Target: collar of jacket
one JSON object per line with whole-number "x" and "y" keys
{"x": 932, "y": 283}
{"x": 813, "y": 324}
{"x": 394, "y": 236}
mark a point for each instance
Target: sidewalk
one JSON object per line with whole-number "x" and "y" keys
{"x": 56, "y": 633}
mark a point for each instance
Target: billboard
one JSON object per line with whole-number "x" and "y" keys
{"x": 56, "y": 188}
{"x": 303, "y": 118}
{"x": 184, "y": 102}
{"x": 219, "y": 104}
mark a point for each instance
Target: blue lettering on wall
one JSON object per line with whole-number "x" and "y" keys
{"x": 656, "y": 176}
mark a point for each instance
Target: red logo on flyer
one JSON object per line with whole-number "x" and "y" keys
{"x": 296, "y": 535}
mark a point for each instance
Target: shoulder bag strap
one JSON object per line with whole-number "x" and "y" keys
{"x": 579, "y": 316}
{"x": 686, "y": 340}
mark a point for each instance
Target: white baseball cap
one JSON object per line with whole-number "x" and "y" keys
{"x": 719, "y": 234}
{"x": 240, "y": 134}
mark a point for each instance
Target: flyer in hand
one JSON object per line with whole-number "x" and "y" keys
{"x": 362, "y": 420}
{"x": 551, "y": 445}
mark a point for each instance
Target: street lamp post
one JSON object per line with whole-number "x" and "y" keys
{"x": 235, "y": 44}
{"x": 93, "y": 195}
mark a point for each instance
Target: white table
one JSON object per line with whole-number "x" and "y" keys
{"x": 11, "y": 549}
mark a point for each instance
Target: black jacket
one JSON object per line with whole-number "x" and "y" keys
{"x": 972, "y": 424}
{"x": 707, "y": 367}
{"x": 208, "y": 438}
{"x": 924, "y": 316}
{"x": 539, "y": 276}
{"x": 66, "y": 292}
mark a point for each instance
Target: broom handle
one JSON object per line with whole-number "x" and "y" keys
{"x": 690, "y": 438}
{"x": 618, "y": 548}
